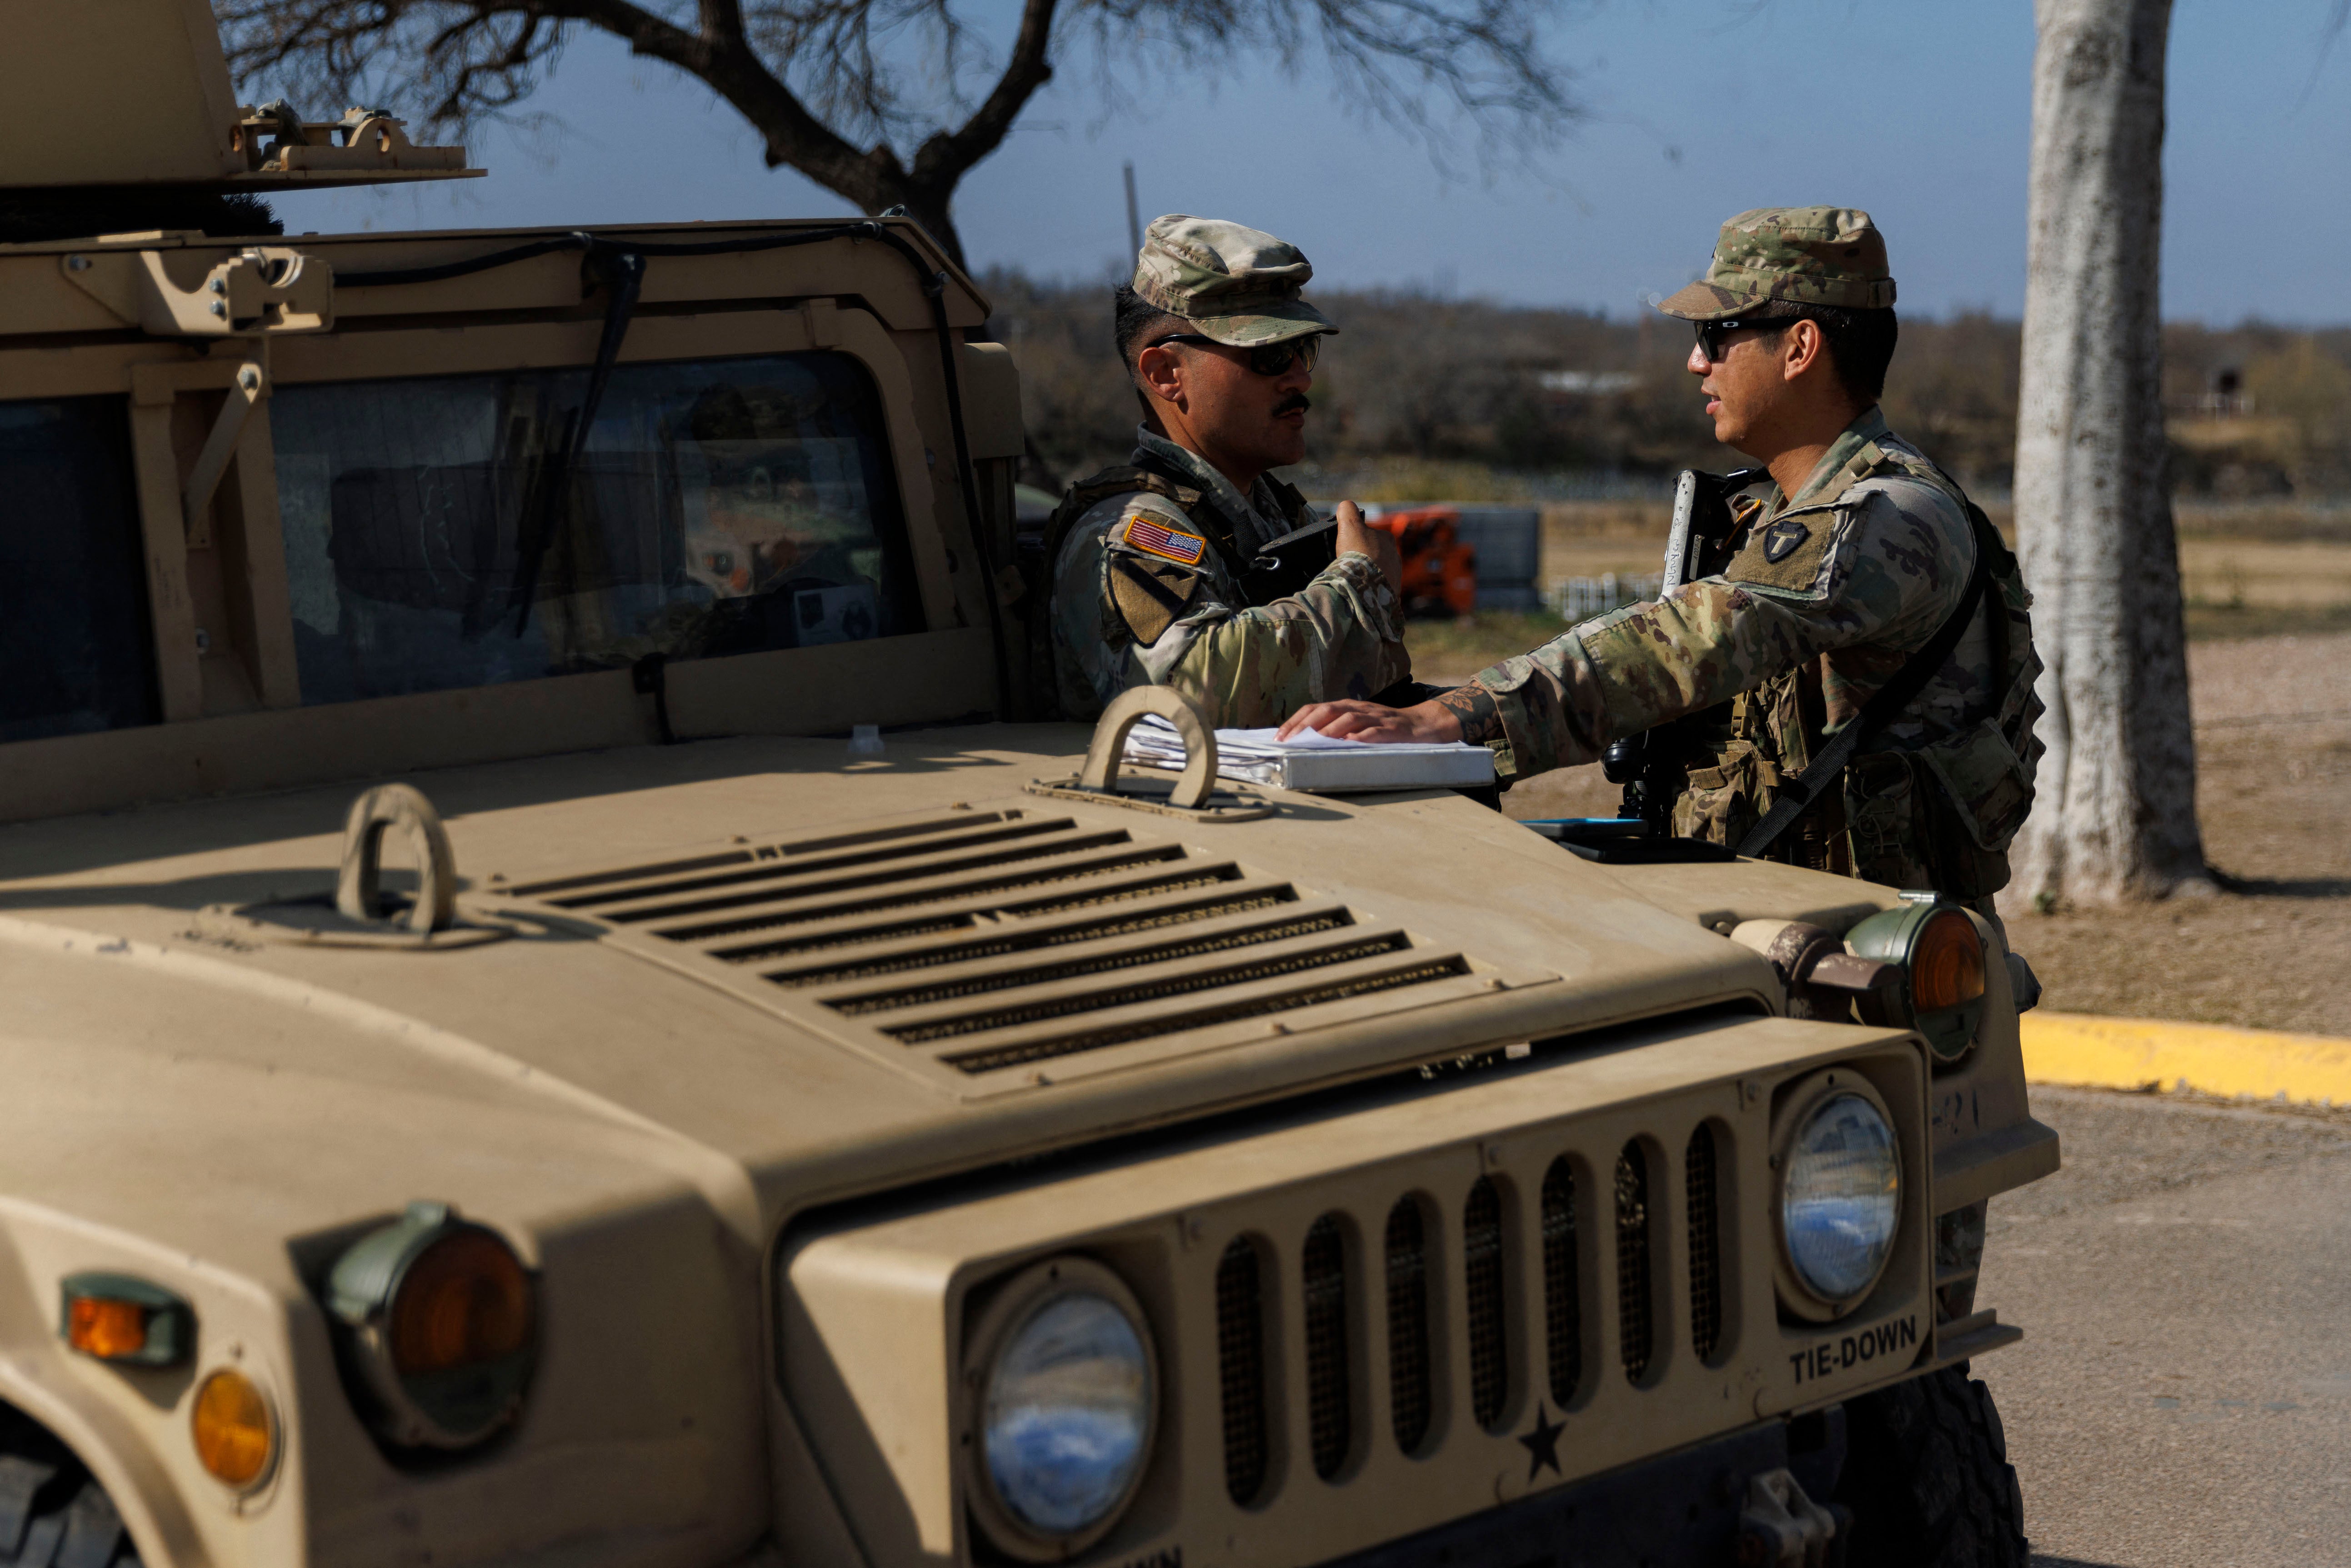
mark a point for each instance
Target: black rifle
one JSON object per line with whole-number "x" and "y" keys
{"x": 1648, "y": 765}
{"x": 1284, "y": 566}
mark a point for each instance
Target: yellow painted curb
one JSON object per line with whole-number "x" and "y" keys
{"x": 2131, "y": 1053}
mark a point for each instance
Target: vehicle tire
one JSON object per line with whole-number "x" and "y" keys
{"x": 1928, "y": 1478}
{"x": 53, "y": 1511}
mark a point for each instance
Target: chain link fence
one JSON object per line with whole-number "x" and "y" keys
{"x": 1576, "y": 599}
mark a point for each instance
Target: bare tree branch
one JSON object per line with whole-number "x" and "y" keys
{"x": 873, "y": 98}
{"x": 2337, "y": 14}
{"x": 951, "y": 153}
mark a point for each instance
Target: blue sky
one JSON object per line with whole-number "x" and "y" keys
{"x": 1698, "y": 108}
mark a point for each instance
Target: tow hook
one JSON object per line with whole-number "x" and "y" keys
{"x": 1781, "y": 1528}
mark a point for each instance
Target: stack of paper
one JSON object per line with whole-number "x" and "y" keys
{"x": 1314, "y": 762}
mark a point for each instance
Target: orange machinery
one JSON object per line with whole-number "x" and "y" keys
{"x": 1441, "y": 572}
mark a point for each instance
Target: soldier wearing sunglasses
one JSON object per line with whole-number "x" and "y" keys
{"x": 1158, "y": 566}
{"x": 1859, "y": 566}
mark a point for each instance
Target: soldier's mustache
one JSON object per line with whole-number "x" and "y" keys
{"x": 1298, "y": 400}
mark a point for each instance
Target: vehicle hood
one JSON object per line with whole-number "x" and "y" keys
{"x": 169, "y": 1077}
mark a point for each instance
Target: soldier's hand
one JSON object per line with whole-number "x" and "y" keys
{"x": 1356, "y": 535}
{"x": 1352, "y": 720}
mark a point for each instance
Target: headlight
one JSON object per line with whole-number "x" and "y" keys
{"x": 1067, "y": 1408}
{"x": 1840, "y": 1198}
{"x": 1941, "y": 956}
{"x": 441, "y": 1321}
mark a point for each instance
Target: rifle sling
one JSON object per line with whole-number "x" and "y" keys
{"x": 1799, "y": 791}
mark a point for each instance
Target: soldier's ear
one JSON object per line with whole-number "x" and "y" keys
{"x": 1803, "y": 347}
{"x": 1159, "y": 374}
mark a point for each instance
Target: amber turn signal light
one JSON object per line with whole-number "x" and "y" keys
{"x": 1947, "y": 963}
{"x": 111, "y": 1331}
{"x": 237, "y": 1435}
{"x": 1941, "y": 955}
{"x": 440, "y": 1322}
{"x": 464, "y": 1300}
{"x": 125, "y": 1320}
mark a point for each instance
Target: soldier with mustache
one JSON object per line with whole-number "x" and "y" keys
{"x": 1157, "y": 568}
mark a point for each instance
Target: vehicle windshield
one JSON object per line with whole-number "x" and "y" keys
{"x": 718, "y": 507}
{"x": 73, "y": 590}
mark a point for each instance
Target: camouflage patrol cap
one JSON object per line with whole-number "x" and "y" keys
{"x": 1237, "y": 284}
{"x": 1807, "y": 256}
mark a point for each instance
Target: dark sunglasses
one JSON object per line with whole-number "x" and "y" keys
{"x": 1711, "y": 335}
{"x": 1270, "y": 360}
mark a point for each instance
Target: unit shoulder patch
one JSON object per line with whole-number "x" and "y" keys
{"x": 1150, "y": 597}
{"x": 1780, "y": 539}
{"x": 1787, "y": 553}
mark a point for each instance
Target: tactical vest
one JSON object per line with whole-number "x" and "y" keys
{"x": 1939, "y": 814}
{"x": 1159, "y": 478}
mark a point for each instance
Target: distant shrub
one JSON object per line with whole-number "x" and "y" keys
{"x": 1420, "y": 397}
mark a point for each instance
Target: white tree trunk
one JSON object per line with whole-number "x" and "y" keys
{"x": 2116, "y": 814}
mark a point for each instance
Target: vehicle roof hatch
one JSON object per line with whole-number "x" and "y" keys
{"x": 137, "y": 92}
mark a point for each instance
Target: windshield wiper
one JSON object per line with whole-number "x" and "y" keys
{"x": 624, "y": 273}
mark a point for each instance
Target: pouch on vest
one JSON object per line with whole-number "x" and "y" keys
{"x": 1908, "y": 830}
{"x": 1719, "y": 803}
{"x": 1889, "y": 820}
{"x": 1943, "y": 814}
{"x": 1985, "y": 773}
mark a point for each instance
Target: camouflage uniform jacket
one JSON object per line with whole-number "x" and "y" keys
{"x": 1825, "y": 597}
{"x": 1146, "y": 591}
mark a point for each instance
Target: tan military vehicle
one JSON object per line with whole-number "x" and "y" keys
{"x": 502, "y": 1066}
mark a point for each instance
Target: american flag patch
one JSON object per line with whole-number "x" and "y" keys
{"x": 1170, "y": 543}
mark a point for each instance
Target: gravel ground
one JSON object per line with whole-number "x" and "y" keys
{"x": 2182, "y": 1394}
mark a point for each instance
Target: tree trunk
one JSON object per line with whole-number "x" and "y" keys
{"x": 2116, "y": 814}
{"x": 877, "y": 181}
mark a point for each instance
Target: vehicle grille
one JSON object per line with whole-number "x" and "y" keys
{"x": 1705, "y": 1243}
{"x": 1408, "y": 1363}
{"x": 1482, "y": 1260}
{"x": 1412, "y": 1237}
{"x": 1327, "y": 1395}
{"x": 979, "y": 942}
{"x": 1240, "y": 1355}
{"x": 1632, "y": 1319}
{"x": 1562, "y": 1304}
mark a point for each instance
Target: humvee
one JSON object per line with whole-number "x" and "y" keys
{"x": 565, "y": 1008}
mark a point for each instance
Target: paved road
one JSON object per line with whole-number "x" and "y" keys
{"x": 2183, "y": 1393}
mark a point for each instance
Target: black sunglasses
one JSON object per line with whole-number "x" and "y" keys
{"x": 1710, "y": 334}
{"x": 1270, "y": 359}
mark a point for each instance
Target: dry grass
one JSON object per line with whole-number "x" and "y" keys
{"x": 2247, "y": 571}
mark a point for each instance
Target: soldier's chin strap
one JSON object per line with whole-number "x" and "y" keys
{"x": 1799, "y": 791}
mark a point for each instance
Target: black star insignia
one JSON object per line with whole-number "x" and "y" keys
{"x": 1542, "y": 1444}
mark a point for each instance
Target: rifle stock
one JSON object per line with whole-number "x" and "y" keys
{"x": 1678, "y": 537}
